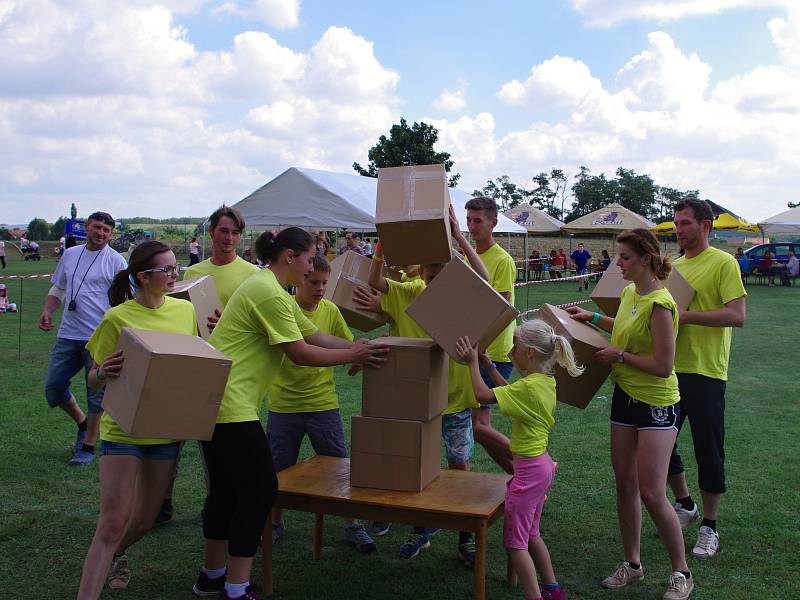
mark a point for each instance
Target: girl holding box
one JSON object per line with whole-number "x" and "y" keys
{"x": 644, "y": 407}
{"x": 530, "y": 402}
{"x": 261, "y": 324}
{"x": 135, "y": 473}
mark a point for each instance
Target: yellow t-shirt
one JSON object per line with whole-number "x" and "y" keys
{"x": 460, "y": 395}
{"x": 227, "y": 278}
{"x": 632, "y": 333}
{"x": 716, "y": 280}
{"x": 260, "y": 316}
{"x": 299, "y": 389}
{"x": 531, "y": 403}
{"x": 174, "y": 316}
{"x": 502, "y": 275}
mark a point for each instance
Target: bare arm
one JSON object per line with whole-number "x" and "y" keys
{"x": 309, "y": 355}
{"x": 659, "y": 363}
{"x": 110, "y": 369}
{"x": 51, "y": 304}
{"x": 733, "y": 314}
{"x": 605, "y": 323}
{"x": 472, "y": 256}
{"x": 376, "y": 279}
{"x": 483, "y": 394}
{"x": 488, "y": 366}
{"x": 326, "y": 340}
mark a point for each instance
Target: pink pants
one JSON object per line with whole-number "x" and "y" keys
{"x": 525, "y": 494}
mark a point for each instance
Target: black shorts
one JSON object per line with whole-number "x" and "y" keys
{"x": 627, "y": 412}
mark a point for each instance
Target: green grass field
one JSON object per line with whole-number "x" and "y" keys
{"x": 49, "y": 510}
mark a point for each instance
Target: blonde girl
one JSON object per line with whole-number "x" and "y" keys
{"x": 531, "y": 403}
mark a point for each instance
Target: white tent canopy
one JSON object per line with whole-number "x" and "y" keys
{"x": 326, "y": 200}
{"x": 786, "y": 222}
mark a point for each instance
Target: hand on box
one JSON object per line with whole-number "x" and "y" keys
{"x": 370, "y": 354}
{"x": 367, "y": 299}
{"x": 455, "y": 228}
{"x": 579, "y": 314}
{"x": 465, "y": 349}
{"x": 484, "y": 360}
{"x": 111, "y": 366}
{"x": 608, "y": 355}
{"x": 213, "y": 320}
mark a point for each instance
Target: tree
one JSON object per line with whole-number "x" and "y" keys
{"x": 407, "y": 146}
{"x": 503, "y": 191}
{"x": 635, "y": 192}
{"x": 559, "y": 178}
{"x": 591, "y": 193}
{"x": 57, "y": 228}
{"x": 5, "y": 234}
{"x": 73, "y": 212}
{"x": 38, "y": 230}
{"x": 542, "y": 195}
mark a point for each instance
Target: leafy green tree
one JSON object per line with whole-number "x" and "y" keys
{"x": 591, "y": 192}
{"x": 407, "y": 146}
{"x": 542, "y": 195}
{"x": 38, "y": 230}
{"x": 5, "y": 234}
{"x": 558, "y": 180}
{"x": 635, "y": 192}
{"x": 57, "y": 229}
{"x": 504, "y": 192}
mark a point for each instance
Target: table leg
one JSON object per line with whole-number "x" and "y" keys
{"x": 266, "y": 557}
{"x": 480, "y": 560}
{"x": 511, "y": 574}
{"x": 319, "y": 520}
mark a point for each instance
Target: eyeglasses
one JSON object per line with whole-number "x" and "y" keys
{"x": 169, "y": 270}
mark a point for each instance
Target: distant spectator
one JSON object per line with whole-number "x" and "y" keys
{"x": 62, "y": 244}
{"x": 350, "y": 244}
{"x": 580, "y": 260}
{"x": 367, "y": 248}
{"x": 739, "y": 253}
{"x": 556, "y": 264}
{"x": 535, "y": 265}
{"x": 3, "y": 253}
{"x": 605, "y": 262}
{"x": 194, "y": 252}
{"x": 792, "y": 269}
{"x": 765, "y": 267}
{"x": 5, "y": 305}
{"x": 322, "y": 243}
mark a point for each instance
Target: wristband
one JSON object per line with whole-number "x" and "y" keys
{"x": 595, "y": 318}
{"x": 377, "y": 258}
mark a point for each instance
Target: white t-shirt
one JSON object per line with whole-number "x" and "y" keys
{"x": 194, "y": 248}
{"x": 2, "y": 248}
{"x": 86, "y": 276}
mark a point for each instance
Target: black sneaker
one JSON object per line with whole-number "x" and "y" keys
{"x": 166, "y": 514}
{"x": 205, "y": 586}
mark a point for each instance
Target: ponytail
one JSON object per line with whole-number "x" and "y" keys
{"x": 662, "y": 267}
{"x": 269, "y": 244}
{"x": 551, "y": 347}
{"x": 124, "y": 285}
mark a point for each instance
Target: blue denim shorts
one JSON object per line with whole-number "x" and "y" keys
{"x": 505, "y": 369}
{"x": 141, "y": 451}
{"x": 457, "y": 435}
{"x": 66, "y": 360}
{"x": 286, "y": 432}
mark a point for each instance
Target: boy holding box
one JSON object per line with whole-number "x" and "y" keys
{"x": 303, "y": 401}
{"x": 481, "y": 221}
{"x": 457, "y": 417}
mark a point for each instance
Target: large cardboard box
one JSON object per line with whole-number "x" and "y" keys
{"x": 585, "y": 341}
{"x": 412, "y": 214}
{"x": 349, "y": 271}
{"x": 411, "y": 385}
{"x": 394, "y": 454}
{"x": 460, "y": 302}
{"x": 202, "y": 293}
{"x": 170, "y": 386}
{"x": 608, "y": 290}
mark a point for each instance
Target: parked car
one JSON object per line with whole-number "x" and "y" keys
{"x": 780, "y": 253}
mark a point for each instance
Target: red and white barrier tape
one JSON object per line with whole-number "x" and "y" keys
{"x": 566, "y": 305}
{"x": 44, "y": 276}
{"x": 570, "y": 278}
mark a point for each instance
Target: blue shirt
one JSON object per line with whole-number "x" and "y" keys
{"x": 581, "y": 257}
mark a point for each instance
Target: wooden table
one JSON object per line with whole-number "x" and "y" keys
{"x": 456, "y": 500}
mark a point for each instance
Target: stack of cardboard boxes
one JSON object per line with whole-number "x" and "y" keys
{"x": 396, "y": 438}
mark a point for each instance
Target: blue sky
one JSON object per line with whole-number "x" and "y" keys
{"x": 172, "y": 108}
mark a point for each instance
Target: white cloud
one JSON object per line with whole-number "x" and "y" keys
{"x": 452, "y": 100}
{"x": 283, "y": 14}
{"x": 606, "y": 13}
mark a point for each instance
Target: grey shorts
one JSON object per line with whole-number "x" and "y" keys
{"x": 286, "y": 432}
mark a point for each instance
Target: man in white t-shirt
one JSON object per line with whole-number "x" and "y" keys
{"x": 3, "y": 253}
{"x": 81, "y": 283}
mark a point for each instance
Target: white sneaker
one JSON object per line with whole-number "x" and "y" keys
{"x": 679, "y": 587}
{"x": 707, "y": 543}
{"x": 686, "y": 517}
{"x": 623, "y": 575}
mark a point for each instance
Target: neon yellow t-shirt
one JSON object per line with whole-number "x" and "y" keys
{"x": 502, "y": 274}
{"x": 460, "y": 395}
{"x": 227, "y": 278}
{"x": 299, "y": 389}
{"x": 260, "y": 316}
{"x": 531, "y": 404}
{"x": 716, "y": 279}
{"x": 173, "y": 316}
{"x": 632, "y": 333}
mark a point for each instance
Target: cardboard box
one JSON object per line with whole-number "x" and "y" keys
{"x": 349, "y": 271}
{"x": 412, "y": 385}
{"x": 412, "y": 215}
{"x": 394, "y": 454}
{"x": 170, "y": 386}
{"x": 608, "y": 290}
{"x": 585, "y": 341}
{"x": 202, "y": 293}
{"x": 460, "y": 302}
